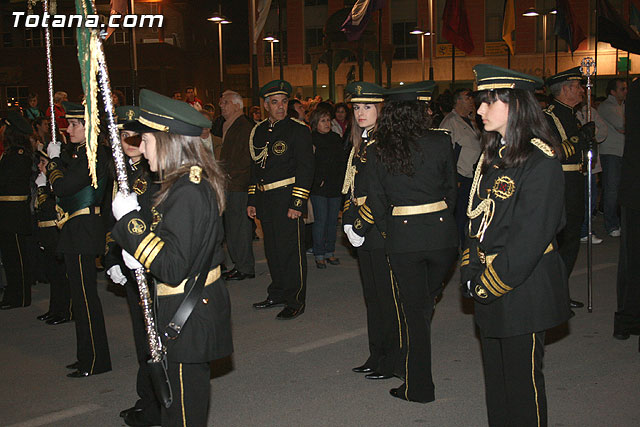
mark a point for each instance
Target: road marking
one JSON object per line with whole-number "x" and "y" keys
{"x": 596, "y": 267}
{"x": 327, "y": 341}
{"x": 58, "y": 416}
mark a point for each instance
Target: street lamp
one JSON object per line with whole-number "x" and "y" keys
{"x": 532, "y": 12}
{"x": 219, "y": 19}
{"x": 419, "y": 32}
{"x": 271, "y": 40}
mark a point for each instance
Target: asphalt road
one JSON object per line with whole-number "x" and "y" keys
{"x": 286, "y": 373}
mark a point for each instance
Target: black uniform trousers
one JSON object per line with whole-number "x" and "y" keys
{"x": 383, "y": 312}
{"x": 420, "y": 277}
{"x": 283, "y": 247}
{"x": 56, "y": 274}
{"x": 91, "y": 335}
{"x": 190, "y": 389}
{"x": 16, "y": 267}
{"x": 514, "y": 383}
{"x": 238, "y": 232}
{"x": 627, "y": 317}
{"x": 148, "y": 402}
{"x": 569, "y": 236}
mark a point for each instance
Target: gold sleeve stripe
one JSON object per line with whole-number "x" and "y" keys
{"x": 465, "y": 258}
{"x": 148, "y": 249}
{"x": 366, "y": 213}
{"x": 497, "y": 287}
{"x": 302, "y": 190}
{"x": 493, "y": 273}
{"x": 465, "y": 252}
{"x": 153, "y": 255}
{"x": 252, "y": 191}
{"x": 143, "y": 244}
{"x": 464, "y": 262}
{"x": 488, "y": 286}
{"x": 299, "y": 195}
{"x": 367, "y": 218}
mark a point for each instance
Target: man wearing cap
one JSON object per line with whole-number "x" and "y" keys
{"x": 15, "y": 223}
{"x": 82, "y": 238}
{"x": 575, "y": 138}
{"x": 281, "y": 178}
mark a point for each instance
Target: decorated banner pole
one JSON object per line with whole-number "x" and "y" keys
{"x": 47, "y": 42}
{"x": 588, "y": 69}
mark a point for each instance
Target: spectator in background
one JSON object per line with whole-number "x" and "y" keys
{"x": 612, "y": 111}
{"x": 255, "y": 114}
{"x": 177, "y": 95}
{"x": 32, "y": 111}
{"x": 295, "y": 110}
{"x": 330, "y": 164}
{"x": 117, "y": 98}
{"x": 192, "y": 99}
{"x": 58, "y": 99}
{"x": 342, "y": 118}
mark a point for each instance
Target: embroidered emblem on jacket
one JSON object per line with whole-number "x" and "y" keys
{"x": 504, "y": 187}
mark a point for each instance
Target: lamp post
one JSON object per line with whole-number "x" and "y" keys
{"x": 271, "y": 41}
{"x": 219, "y": 19}
{"x": 419, "y": 32}
{"x": 533, "y": 12}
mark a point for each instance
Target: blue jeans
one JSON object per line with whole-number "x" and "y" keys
{"x": 594, "y": 200}
{"x": 611, "y": 168}
{"x": 325, "y": 213}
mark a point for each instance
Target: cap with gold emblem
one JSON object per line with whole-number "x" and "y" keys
{"x": 163, "y": 114}
{"x": 73, "y": 110}
{"x": 490, "y": 77}
{"x": 565, "y": 76}
{"x": 420, "y": 91}
{"x": 364, "y": 93}
{"x": 16, "y": 121}
{"x": 276, "y": 87}
{"x": 127, "y": 119}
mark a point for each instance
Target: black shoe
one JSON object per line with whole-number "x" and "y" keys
{"x": 74, "y": 365}
{"x": 7, "y": 306}
{"x": 575, "y": 304}
{"x": 238, "y": 275}
{"x": 124, "y": 412}
{"x": 45, "y": 316}
{"x": 57, "y": 320}
{"x": 78, "y": 374}
{"x": 377, "y": 376}
{"x": 333, "y": 261}
{"x": 399, "y": 393}
{"x": 289, "y": 313}
{"x": 364, "y": 369}
{"x": 137, "y": 419}
{"x": 268, "y": 303}
{"x": 620, "y": 335}
{"x": 321, "y": 264}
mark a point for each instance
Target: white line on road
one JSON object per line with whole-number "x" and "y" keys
{"x": 596, "y": 267}
{"x": 57, "y": 416}
{"x": 327, "y": 341}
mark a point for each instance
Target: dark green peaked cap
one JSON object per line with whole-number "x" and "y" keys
{"x": 18, "y": 122}
{"x": 420, "y": 91}
{"x": 73, "y": 110}
{"x": 489, "y": 77}
{"x": 365, "y": 93}
{"x": 565, "y": 76}
{"x": 163, "y": 114}
{"x": 127, "y": 119}
{"x": 276, "y": 87}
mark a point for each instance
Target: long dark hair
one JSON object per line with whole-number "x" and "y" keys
{"x": 399, "y": 126}
{"x": 356, "y": 130}
{"x": 526, "y": 121}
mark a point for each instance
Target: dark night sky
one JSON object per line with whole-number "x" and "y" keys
{"x": 236, "y": 35}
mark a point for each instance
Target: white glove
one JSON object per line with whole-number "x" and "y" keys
{"x": 355, "y": 240}
{"x": 122, "y": 205}
{"x": 41, "y": 180}
{"x": 130, "y": 261}
{"x": 116, "y": 276}
{"x": 53, "y": 149}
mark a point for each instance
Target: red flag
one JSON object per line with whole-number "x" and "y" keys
{"x": 455, "y": 25}
{"x": 567, "y": 27}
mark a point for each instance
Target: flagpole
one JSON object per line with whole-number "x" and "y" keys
{"x": 556, "y": 48}
{"x": 280, "y": 48}
{"x": 595, "y": 74}
{"x": 508, "y": 57}
{"x": 453, "y": 66}
{"x": 432, "y": 33}
{"x": 255, "y": 80}
{"x": 379, "y": 79}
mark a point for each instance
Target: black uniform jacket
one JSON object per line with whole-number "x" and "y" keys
{"x": 564, "y": 122}
{"x": 15, "y": 175}
{"x": 288, "y": 153}
{"x": 184, "y": 236}
{"x": 517, "y": 276}
{"x": 433, "y": 180}
{"x": 355, "y": 211}
{"x": 45, "y": 211}
{"x": 629, "y": 192}
{"x": 69, "y": 176}
{"x": 330, "y": 162}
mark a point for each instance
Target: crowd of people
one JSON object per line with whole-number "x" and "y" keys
{"x": 416, "y": 181}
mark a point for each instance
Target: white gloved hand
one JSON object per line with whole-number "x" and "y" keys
{"x": 355, "y": 240}
{"x": 53, "y": 149}
{"x": 41, "y": 180}
{"x": 116, "y": 276}
{"x": 122, "y": 205}
{"x": 130, "y": 261}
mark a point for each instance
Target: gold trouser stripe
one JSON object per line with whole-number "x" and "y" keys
{"x": 533, "y": 375}
{"x": 360, "y": 200}
{"x": 143, "y": 244}
{"x": 163, "y": 289}
{"x": 13, "y": 198}
{"x": 395, "y": 301}
{"x": 184, "y": 415}
{"x": 406, "y": 359}
{"x": 45, "y": 224}
{"x": 419, "y": 209}
{"x": 86, "y": 304}
{"x": 277, "y": 184}
{"x": 299, "y": 261}
{"x": 21, "y": 270}
{"x": 571, "y": 168}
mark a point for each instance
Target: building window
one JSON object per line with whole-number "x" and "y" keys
{"x": 494, "y": 18}
{"x": 63, "y": 36}
{"x": 121, "y": 37}
{"x": 17, "y": 96}
{"x": 406, "y": 44}
{"x": 315, "y": 2}
{"x": 34, "y": 38}
{"x": 313, "y": 38}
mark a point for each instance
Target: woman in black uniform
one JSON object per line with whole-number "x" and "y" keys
{"x": 383, "y": 318}
{"x": 412, "y": 193}
{"x": 510, "y": 264}
{"x": 182, "y": 241}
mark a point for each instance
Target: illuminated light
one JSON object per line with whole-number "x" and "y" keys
{"x": 401, "y": 83}
{"x": 531, "y": 12}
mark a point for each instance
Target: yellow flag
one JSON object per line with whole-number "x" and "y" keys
{"x": 509, "y": 24}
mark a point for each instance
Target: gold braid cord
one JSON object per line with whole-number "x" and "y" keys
{"x": 486, "y": 207}
{"x": 350, "y": 175}
{"x": 264, "y": 151}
